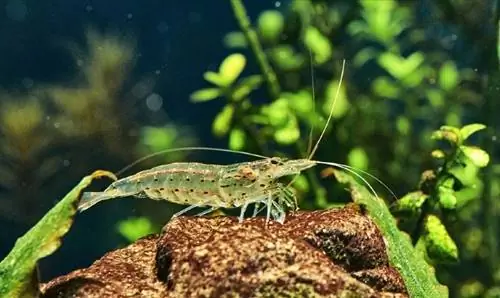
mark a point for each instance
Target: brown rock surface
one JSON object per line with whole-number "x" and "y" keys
{"x": 332, "y": 253}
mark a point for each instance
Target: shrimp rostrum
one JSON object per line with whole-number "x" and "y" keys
{"x": 214, "y": 186}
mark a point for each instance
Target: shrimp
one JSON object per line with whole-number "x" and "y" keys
{"x": 217, "y": 186}
{"x": 221, "y": 186}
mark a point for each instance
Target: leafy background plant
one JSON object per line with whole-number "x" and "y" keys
{"x": 419, "y": 75}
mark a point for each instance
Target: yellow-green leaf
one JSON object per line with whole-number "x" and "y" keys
{"x": 318, "y": 44}
{"x": 237, "y": 139}
{"x": 231, "y": 68}
{"x": 478, "y": 156}
{"x": 358, "y": 158}
{"x": 440, "y": 246}
{"x": 470, "y": 129}
{"x": 222, "y": 121}
{"x": 214, "y": 78}
{"x": 135, "y": 228}
{"x": 411, "y": 203}
{"x": 18, "y": 270}
{"x": 205, "y": 94}
{"x": 288, "y": 134}
{"x": 341, "y": 101}
{"x": 270, "y": 25}
{"x": 448, "y": 76}
{"x": 447, "y": 198}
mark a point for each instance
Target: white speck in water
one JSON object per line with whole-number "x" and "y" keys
{"x": 157, "y": 72}
{"x": 89, "y": 8}
{"x": 494, "y": 138}
{"x": 277, "y": 4}
{"x": 47, "y": 118}
{"x": 57, "y": 124}
{"x": 16, "y": 10}
{"x": 66, "y": 163}
{"x": 129, "y": 16}
{"x": 154, "y": 102}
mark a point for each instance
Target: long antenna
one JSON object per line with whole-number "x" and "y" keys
{"x": 309, "y": 144}
{"x": 187, "y": 149}
{"x": 330, "y": 116}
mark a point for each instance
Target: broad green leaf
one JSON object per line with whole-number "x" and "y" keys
{"x": 135, "y": 228}
{"x": 448, "y": 76}
{"x": 288, "y": 134}
{"x": 440, "y": 246}
{"x": 222, "y": 121}
{"x": 318, "y": 44}
{"x": 205, "y": 94}
{"x": 18, "y": 276}
{"x": 215, "y": 79}
{"x": 419, "y": 277}
{"x": 231, "y": 68}
{"x": 466, "y": 172}
{"x": 237, "y": 139}
{"x": 270, "y": 25}
{"x": 478, "y": 156}
{"x": 471, "y": 129}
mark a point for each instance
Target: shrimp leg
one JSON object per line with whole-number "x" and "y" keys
{"x": 209, "y": 210}
{"x": 242, "y": 213}
{"x": 185, "y": 210}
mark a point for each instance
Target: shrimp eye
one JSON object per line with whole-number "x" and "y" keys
{"x": 275, "y": 161}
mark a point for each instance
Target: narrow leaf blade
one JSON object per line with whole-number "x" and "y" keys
{"x": 18, "y": 269}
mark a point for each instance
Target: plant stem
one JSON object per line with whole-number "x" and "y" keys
{"x": 253, "y": 40}
{"x": 492, "y": 84}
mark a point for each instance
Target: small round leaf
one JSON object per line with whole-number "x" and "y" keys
{"x": 222, "y": 121}
{"x": 232, "y": 67}
{"x": 478, "y": 156}
{"x": 270, "y": 25}
{"x": 205, "y": 94}
{"x": 237, "y": 139}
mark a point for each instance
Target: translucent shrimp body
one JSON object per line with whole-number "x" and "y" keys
{"x": 216, "y": 186}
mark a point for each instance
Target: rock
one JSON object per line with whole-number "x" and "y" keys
{"x": 332, "y": 253}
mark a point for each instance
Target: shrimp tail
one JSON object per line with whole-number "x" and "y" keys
{"x": 89, "y": 199}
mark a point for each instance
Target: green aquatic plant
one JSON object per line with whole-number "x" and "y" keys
{"x": 18, "y": 271}
{"x": 443, "y": 190}
{"x": 418, "y": 276}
